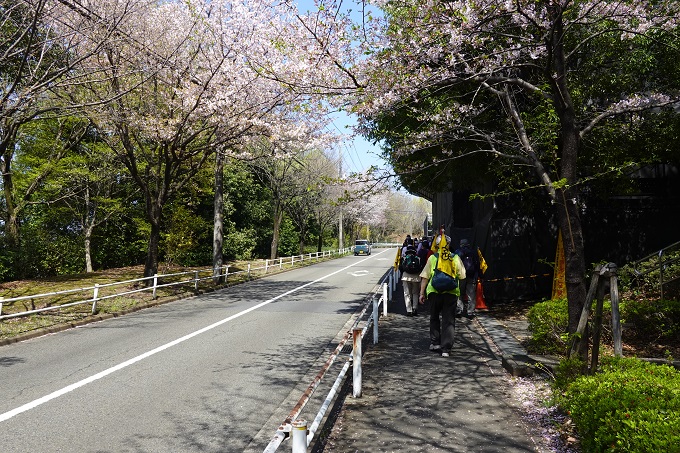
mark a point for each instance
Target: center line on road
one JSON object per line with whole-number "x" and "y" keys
{"x": 56, "y": 394}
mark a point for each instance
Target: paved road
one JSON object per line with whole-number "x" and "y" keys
{"x": 214, "y": 373}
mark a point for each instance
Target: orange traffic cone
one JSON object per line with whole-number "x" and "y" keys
{"x": 479, "y": 303}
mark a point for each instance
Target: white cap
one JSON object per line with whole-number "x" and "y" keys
{"x": 439, "y": 239}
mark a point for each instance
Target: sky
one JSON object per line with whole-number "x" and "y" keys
{"x": 358, "y": 154}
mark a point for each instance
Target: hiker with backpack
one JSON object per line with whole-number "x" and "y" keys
{"x": 439, "y": 284}
{"x": 410, "y": 280}
{"x": 468, "y": 287}
{"x": 423, "y": 251}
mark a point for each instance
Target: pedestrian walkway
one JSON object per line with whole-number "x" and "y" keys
{"x": 414, "y": 400}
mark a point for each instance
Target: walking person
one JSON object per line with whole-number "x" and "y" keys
{"x": 410, "y": 280}
{"x": 468, "y": 286}
{"x": 423, "y": 251}
{"x": 439, "y": 285}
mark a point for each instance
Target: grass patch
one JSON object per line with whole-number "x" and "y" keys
{"x": 81, "y": 286}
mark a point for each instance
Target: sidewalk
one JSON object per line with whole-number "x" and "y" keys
{"x": 414, "y": 400}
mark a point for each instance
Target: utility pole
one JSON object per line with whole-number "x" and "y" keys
{"x": 340, "y": 238}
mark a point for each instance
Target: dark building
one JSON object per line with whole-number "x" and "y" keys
{"x": 518, "y": 234}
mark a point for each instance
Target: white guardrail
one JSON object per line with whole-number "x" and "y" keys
{"x": 193, "y": 277}
{"x": 297, "y": 429}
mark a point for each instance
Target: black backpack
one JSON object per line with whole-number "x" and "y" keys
{"x": 411, "y": 262}
{"x": 470, "y": 261}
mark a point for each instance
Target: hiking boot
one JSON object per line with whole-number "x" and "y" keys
{"x": 435, "y": 347}
{"x": 445, "y": 354}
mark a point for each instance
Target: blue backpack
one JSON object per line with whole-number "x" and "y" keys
{"x": 441, "y": 281}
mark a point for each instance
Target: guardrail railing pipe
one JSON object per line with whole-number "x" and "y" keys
{"x": 299, "y": 435}
{"x": 95, "y": 297}
{"x": 356, "y": 362}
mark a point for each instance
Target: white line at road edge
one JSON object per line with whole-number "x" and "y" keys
{"x": 35, "y": 403}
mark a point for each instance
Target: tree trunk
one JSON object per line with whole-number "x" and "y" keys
{"x": 567, "y": 206}
{"x": 88, "y": 250}
{"x": 319, "y": 244}
{"x": 278, "y": 218}
{"x": 218, "y": 215}
{"x": 151, "y": 265}
{"x": 303, "y": 232}
{"x": 154, "y": 215}
{"x": 11, "y": 214}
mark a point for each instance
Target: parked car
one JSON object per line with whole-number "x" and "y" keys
{"x": 362, "y": 247}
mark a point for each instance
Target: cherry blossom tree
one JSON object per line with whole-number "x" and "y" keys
{"x": 182, "y": 77}
{"x": 524, "y": 83}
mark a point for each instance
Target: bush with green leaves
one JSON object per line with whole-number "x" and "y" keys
{"x": 628, "y": 406}
{"x": 240, "y": 244}
{"x": 548, "y": 323}
{"x": 652, "y": 319}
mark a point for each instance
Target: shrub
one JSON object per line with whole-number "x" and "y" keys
{"x": 652, "y": 319}
{"x": 240, "y": 245}
{"x": 629, "y": 406}
{"x": 567, "y": 371}
{"x": 548, "y": 323}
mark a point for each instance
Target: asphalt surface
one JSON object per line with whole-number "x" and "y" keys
{"x": 415, "y": 400}
{"x": 204, "y": 374}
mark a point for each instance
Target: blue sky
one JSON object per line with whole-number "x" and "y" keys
{"x": 358, "y": 154}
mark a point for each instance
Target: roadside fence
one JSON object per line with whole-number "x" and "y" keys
{"x": 59, "y": 300}
{"x": 298, "y": 430}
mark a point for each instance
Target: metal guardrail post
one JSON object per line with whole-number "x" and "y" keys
{"x": 390, "y": 286}
{"x": 376, "y": 316}
{"x": 280, "y": 263}
{"x": 266, "y": 264}
{"x": 248, "y": 271}
{"x": 196, "y": 281}
{"x": 155, "y": 285}
{"x": 299, "y": 435}
{"x": 1, "y": 299}
{"x": 95, "y": 296}
{"x": 616, "y": 318}
{"x": 356, "y": 362}
{"x": 226, "y": 273}
{"x": 385, "y": 298}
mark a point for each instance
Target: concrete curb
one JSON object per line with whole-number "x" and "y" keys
{"x": 514, "y": 357}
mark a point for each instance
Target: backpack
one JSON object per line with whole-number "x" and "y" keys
{"x": 441, "y": 281}
{"x": 467, "y": 256}
{"x": 411, "y": 262}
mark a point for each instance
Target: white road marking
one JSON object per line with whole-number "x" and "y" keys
{"x": 361, "y": 273}
{"x": 56, "y": 394}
